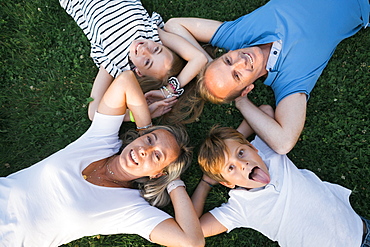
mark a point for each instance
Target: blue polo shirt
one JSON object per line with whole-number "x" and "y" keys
{"x": 309, "y": 31}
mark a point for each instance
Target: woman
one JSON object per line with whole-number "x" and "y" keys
{"x": 124, "y": 37}
{"x": 87, "y": 189}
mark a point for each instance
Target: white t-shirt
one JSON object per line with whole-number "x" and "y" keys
{"x": 50, "y": 203}
{"x": 296, "y": 208}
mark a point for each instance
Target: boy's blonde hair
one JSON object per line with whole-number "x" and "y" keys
{"x": 211, "y": 157}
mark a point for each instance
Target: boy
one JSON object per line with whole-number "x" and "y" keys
{"x": 271, "y": 195}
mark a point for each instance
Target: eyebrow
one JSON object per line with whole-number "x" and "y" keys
{"x": 151, "y": 64}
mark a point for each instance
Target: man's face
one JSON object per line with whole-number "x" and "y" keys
{"x": 244, "y": 167}
{"x": 232, "y": 73}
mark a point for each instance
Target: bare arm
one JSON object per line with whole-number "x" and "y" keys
{"x": 184, "y": 229}
{"x": 195, "y": 58}
{"x": 282, "y": 132}
{"x": 101, "y": 84}
{"x": 124, "y": 93}
{"x": 210, "y": 226}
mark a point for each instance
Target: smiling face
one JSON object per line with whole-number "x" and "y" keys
{"x": 150, "y": 58}
{"x": 149, "y": 154}
{"x": 233, "y": 72}
{"x": 243, "y": 166}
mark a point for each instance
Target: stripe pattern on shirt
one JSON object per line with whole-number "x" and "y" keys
{"x": 111, "y": 26}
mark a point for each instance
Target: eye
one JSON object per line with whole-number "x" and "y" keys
{"x": 230, "y": 168}
{"x": 156, "y": 49}
{"x": 241, "y": 152}
{"x": 157, "y": 156}
{"x": 236, "y": 76}
{"x": 227, "y": 61}
{"x": 150, "y": 141}
{"x": 147, "y": 62}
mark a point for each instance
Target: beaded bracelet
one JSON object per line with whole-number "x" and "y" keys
{"x": 174, "y": 184}
{"x": 169, "y": 95}
{"x": 175, "y": 84}
{"x": 145, "y": 127}
{"x": 132, "y": 117}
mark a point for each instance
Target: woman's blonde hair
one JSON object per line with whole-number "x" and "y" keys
{"x": 211, "y": 157}
{"x": 154, "y": 190}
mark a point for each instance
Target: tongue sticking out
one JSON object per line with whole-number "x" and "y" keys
{"x": 258, "y": 175}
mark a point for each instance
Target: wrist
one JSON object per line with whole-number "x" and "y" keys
{"x": 174, "y": 184}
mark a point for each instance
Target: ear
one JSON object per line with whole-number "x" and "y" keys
{"x": 227, "y": 184}
{"x": 247, "y": 90}
{"x": 157, "y": 175}
{"x": 138, "y": 72}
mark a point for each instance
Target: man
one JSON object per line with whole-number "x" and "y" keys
{"x": 288, "y": 43}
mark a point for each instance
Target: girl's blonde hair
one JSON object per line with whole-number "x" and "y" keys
{"x": 154, "y": 190}
{"x": 211, "y": 157}
{"x": 188, "y": 107}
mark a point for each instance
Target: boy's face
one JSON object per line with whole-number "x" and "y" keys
{"x": 244, "y": 167}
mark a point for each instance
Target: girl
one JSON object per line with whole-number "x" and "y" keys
{"x": 124, "y": 37}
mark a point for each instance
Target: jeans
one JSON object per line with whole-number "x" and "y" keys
{"x": 366, "y": 241}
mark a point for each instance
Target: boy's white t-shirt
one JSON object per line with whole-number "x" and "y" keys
{"x": 296, "y": 208}
{"x": 50, "y": 203}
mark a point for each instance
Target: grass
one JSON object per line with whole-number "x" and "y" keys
{"x": 46, "y": 75}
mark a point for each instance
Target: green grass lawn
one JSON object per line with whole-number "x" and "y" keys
{"x": 46, "y": 76}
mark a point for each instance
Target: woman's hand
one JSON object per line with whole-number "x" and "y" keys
{"x": 153, "y": 96}
{"x": 161, "y": 107}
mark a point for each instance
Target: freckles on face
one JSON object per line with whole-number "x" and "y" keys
{"x": 244, "y": 167}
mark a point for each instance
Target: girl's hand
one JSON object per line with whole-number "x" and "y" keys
{"x": 153, "y": 96}
{"x": 161, "y": 107}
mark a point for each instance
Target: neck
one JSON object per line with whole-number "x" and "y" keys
{"x": 266, "y": 48}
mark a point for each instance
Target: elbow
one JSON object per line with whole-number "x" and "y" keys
{"x": 283, "y": 147}
{"x": 195, "y": 242}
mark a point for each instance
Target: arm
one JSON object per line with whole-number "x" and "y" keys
{"x": 282, "y": 132}
{"x": 184, "y": 229}
{"x": 210, "y": 225}
{"x": 194, "y": 30}
{"x": 101, "y": 84}
{"x": 124, "y": 93}
{"x": 195, "y": 58}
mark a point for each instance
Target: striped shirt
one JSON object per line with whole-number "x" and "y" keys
{"x": 111, "y": 26}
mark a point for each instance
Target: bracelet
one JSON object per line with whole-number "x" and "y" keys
{"x": 145, "y": 127}
{"x": 175, "y": 84}
{"x": 174, "y": 184}
{"x": 210, "y": 185}
{"x": 169, "y": 94}
{"x": 132, "y": 117}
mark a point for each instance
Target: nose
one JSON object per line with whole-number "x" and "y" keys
{"x": 143, "y": 151}
{"x": 143, "y": 51}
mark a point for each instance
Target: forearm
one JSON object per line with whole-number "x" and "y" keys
{"x": 186, "y": 217}
{"x": 282, "y": 132}
{"x": 124, "y": 93}
{"x": 199, "y": 197}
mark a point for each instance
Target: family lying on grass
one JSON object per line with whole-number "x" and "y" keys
{"x": 100, "y": 184}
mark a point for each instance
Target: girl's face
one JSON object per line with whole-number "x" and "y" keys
{"x": 150, "y": 58}
{"x": 244, "y": 167}
{"x": 149, "y": 154}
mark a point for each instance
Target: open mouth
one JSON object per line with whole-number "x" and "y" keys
{"x": 133, "y": 157}
{"x": 138, "y": 47}
{"x": 249, "y": 58}
{"x": 258, "y": 175}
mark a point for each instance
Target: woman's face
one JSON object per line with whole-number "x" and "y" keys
{"x": 149, "y": 154}
{"x": 150, "y": 58}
